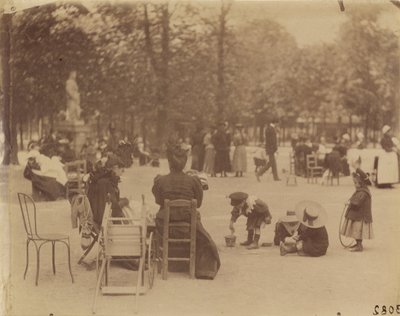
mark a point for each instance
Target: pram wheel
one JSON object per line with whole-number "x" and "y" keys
{"x": 151, "y": 260}
{"x": 346, "y": 242}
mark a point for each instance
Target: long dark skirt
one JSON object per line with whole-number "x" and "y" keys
{"x": 46, "y": 187}
{"x": 207, "y": 257}
{"x": 222, "y": 161}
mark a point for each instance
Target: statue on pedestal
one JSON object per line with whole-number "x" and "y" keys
{"x": 73, "y": 113}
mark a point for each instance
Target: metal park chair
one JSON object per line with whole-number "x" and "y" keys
{"x": 28, "y": 210}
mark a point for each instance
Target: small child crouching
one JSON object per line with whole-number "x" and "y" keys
{"x": 286, "y": 228}
{"x": 257, "y": 214}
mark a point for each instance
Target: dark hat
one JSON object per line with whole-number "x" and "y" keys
{"x": 237, "y": 198}
{"x": 114, "y": 160}
{"x": 362, "y": 176}
{"x": 32, "y": 144}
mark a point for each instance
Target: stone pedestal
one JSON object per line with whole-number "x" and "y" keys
{"x": 75, "y": 130}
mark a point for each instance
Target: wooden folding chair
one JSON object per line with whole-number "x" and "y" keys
{"x": 123, "y": 239}
{"x": 313, "y": 170}
{"x": 292, "y": 171}
{"x": 75, "y": 171}
{"x": 165, "y": 240}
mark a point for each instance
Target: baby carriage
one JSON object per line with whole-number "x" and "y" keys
{"x": 201, "y": 176}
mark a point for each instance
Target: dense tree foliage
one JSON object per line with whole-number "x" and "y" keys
{"x": 169, "y": 65}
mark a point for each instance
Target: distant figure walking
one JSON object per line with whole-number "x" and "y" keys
{"x": 271, "y": 147}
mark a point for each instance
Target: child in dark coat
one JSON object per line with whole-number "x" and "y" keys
{"x": 358, "y": 218}
{"x": 257, "y": 213}
{"x": 286, "y": 228}
{"x": 312, "y": 239}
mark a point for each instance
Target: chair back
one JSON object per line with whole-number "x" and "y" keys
{"x": 75, "y": 171}
{"x": 28, "y": 211}
{"x": 123, "y": 236}
{"x": 189, "y": 205}
{"x": 311, "y": 161}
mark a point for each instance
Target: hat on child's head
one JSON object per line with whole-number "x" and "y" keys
{"x": 290, "y": 217}
{"x": 238, "y": 197}
{"x": 362, "y": 176}
{"x": 311, "y": 214}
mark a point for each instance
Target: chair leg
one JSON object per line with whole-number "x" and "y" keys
{"x": 37, "y": 263}
{"x": 27, "y": 257}
{"x": 165, "y": 260}
{"x": 103, "y": 264}
{"x": 138, "y": 283}
{"x": 53, "y": 250}
{"x": 107, "y": 271}
{"x": 69, "y": 261}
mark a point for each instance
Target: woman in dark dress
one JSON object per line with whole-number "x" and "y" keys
{"x": 178, "y": 185}
{"x": 312, "y": 239}
{"x": 222, "y": 142}
{"x": 103, "y": 184}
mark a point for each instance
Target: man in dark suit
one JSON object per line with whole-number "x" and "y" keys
{"x": 271, "y": 147}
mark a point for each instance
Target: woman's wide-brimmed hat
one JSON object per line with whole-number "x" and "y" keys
{"x": 238, "y": 197}
{"x": 362, "y": 176}
{"x": 311, "y": 214}
{"x": 385, "y": 129}
{"x": 290, "y": 217}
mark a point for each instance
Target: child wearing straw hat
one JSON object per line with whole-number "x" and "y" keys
{"x": 358, "y": 218}
{"x": 286, "y": 228}
{"x": 313, "y": 237}
{"x": 257, "y": 213}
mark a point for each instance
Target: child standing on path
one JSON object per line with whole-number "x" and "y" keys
{"x": 257, "y": 214}
{"x": 358, "y": 218}
{"x": 260, "y": 161}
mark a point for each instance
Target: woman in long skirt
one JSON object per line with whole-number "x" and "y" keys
{"x": 358, "y": 219}
{"x": 209, "y": 154}
{"x": 178, "y": 185}
{"x": 239, "y": 161}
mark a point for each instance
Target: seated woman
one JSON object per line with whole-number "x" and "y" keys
{"x": 286, "y": 227}
{"x": 178, "y": 185}
{"x": 312, "y": 239}
{"x": 103, "y": 182}
{"x": 47, "y": 175}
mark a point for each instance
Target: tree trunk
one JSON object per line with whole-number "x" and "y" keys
{"x": 163, "y": 105}
{"x": 9, "y": 124}
{"x": 161, "y": 70}
{"x": 21, "y": 135}
{"x": 220, "y": 98}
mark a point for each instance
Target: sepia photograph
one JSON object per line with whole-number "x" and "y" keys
{"x": 199, "y": 157}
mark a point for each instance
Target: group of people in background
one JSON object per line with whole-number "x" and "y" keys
{"x": 210, "y": 150}
{"x": 345, "y": 156}
{"x": 47, "y": 157}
